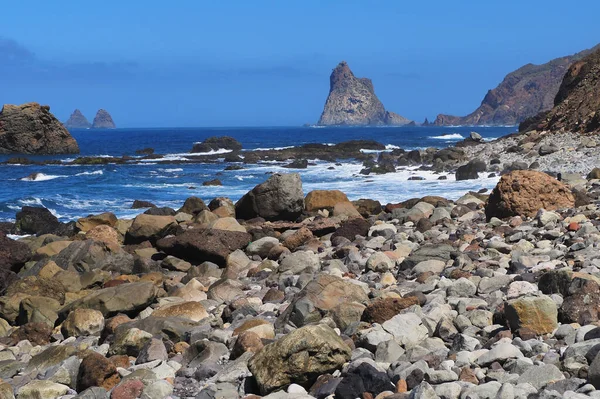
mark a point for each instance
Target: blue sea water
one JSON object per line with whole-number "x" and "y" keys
{"x": 71, "y": 192}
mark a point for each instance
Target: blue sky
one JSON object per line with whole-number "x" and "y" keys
{"x": 243, "y": 63}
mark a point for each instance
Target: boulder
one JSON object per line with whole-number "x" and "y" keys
{"x": 383, "y": 309}
{"x": 217, "y": 143}
{"x": 193, "y": 206}
{"x": 126, "y": 298}
{"x": 525, "y": 192}
{"x": 191, "y": 310}
{"x": 323, "y": 199}
{"x": 150, "y": 228}
{"x": 471, "y": 170}
{"x": 320, "y": 297}
{"x": 299, "y": 357}
{"x": 200, "y": 245}
{"x": 42, "y": 389}
{"x": 13, "y": 255}
{"x": 279, "y": 198}
{"x": 82, "y": 322}
{"x": 535, "y": 314}
{"x": 97, "y": 371}
{"x": 88, "y": 223}
{"x": 36, "y": 220}
{"x": 351, "y": 228}
{"x": 31, "y": 129}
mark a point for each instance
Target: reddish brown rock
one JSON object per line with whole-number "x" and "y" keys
{"x": 323, "y": 199}
{"x": 247, "y": 341}
{"x": 525, "y": 192}
{"x": 384, "y": 309}
{"x": 37, "y": 333}
{"x": 351, "y": 228}
{"x": 130, "y": 389}
{"x": 97, "y": 371}
{"x": 297, "y": 239}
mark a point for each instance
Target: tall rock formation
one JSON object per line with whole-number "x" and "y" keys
{"x": 352, "y": 101}
{"x": 103, "y": 120}
{"x": 77, "y": 121}
{"x": 32, "y": 129}
{"x": 577, "y": 103}
{"x": 522, "y": 94}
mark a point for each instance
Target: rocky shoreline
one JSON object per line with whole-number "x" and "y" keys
{"x": 287, "y": 295}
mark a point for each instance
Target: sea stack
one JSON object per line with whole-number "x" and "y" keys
{"x": 522, "y": 94}
{"x": 103, "y": 120}
{"x": 32, "y": 129}
{"x": 352, "y": 101}
{"x": 77, "y": 121}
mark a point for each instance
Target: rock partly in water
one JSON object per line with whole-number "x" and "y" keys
{"x": 216, "y": 144}
{"x": 352, "y": 101}
{"x": 77, "y": 121}
{"x": 103, "y": 120}
{"x": 32, "y": 129}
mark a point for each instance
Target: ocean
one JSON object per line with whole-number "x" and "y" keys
{"x": 71, "y": 192}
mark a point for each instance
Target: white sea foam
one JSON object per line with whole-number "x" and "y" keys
{"x": 96, "y": 172}
{"x": 41, "y": 177}
{"x": 31, "y": 201}
{"x": 391, "y": 147}
{"x": 452, "y": 136}
{"x": 211, "y": 152}
{"x": 16, "y": 236}
{"x": 172, "y": 170}
{"x": 272, "y": 148}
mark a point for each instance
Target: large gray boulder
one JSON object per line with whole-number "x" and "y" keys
{"x": 279, "y": 198}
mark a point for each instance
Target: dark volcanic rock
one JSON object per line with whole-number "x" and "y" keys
{"x": 279, "y": 198}
{"x": 470, "y": 170}
{"x": 137, "y": 204}
{"x": 577, "y": 103}
{"x": 31, "y": 129}
{"x": 77, "y": 121}
{"x": 200, "y": 245}
{"x": 36, "y": 220}
{"x": 217, "y": 143}
{"x": 352, "y": 101}
{"x": 103, "y": 120}
{"x": 522, "y": 94}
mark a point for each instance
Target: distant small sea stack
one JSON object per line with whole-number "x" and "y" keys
{"x": 103, "y": 120}
{"x": 77, "y": 121}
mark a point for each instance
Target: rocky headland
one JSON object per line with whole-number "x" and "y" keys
{"x": 287, "y": 294}
{"x": 352, "y": 101}
{"x": 77, "y": 121}
{"x": 522, "y": 94}
{"x": 103, "y": 120}
{"x": 32, "y": 129}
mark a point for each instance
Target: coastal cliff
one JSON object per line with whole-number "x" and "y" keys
{"x": 103, "y": 120}
{"x": 352, "y": 101}
{"x": 77, "y": 121}
{"x": 522, "y": 94}
{"x": 577, "y": 103}
{"x": 32, "y": 129}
